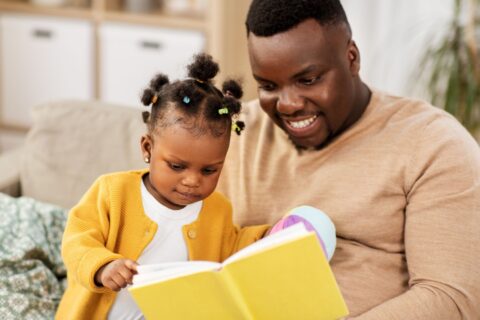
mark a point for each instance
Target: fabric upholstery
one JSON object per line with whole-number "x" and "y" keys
{"x": 71, "y": 143}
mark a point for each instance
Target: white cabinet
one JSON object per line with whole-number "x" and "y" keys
{"x": 43, "y": 59}
{"x": 131, "y": 55}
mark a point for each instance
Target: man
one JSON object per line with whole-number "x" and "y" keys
{"x": 399, "y": 178}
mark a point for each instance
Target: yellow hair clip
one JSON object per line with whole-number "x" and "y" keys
{"x": 154, "y": 99}
{"x": 223, "y": 110}
{"x": 238, "y": 126}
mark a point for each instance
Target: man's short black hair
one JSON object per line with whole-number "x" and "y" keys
{"x": 268, "y": 17}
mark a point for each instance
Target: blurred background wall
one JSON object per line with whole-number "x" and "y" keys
{"x": 393, "y": 36}
{"x": 109, "y": 49}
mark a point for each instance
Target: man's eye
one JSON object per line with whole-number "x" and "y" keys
{"x": 176, "y": 166}
{"x": 308, "y": 81}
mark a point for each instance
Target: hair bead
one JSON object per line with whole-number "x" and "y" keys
{"x": 223, "y": 110}
{"x": 238, "y": 126}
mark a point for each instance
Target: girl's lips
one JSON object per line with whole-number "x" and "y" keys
{"x": 191, "y": 196}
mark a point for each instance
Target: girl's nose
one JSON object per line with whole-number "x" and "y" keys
{"x": 191, "y": 180}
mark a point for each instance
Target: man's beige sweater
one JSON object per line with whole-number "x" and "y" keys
{"x": 402, "y": 186}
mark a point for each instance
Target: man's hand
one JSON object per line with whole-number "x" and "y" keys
{"x": 117, "y": 274}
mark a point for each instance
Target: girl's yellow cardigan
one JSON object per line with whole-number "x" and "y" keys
{"x": 109, "y": 223}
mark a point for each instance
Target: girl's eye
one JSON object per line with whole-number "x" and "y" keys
{"x": 207, "y": 171}
{"x": 266, "y": 86}
{"x": 176, "y": 167}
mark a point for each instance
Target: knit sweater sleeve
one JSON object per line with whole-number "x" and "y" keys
{"x": 442, "y": 229}
{"x": 83, "y": 245}
{"x": 236, "y": 238}
{"x": 248, "y": 235}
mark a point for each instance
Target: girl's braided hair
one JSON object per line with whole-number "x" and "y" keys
{"x": 204, "y": 108}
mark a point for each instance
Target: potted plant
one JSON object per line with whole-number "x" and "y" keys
{"x": 451, "y": 67}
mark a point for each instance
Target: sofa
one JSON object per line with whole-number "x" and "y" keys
{"x": 71, "y": 143}
{"x": 68, "y": 146}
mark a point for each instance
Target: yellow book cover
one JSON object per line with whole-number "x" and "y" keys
{"x": 283, "y": 276}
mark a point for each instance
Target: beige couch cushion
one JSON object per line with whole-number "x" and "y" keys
{"x": 71, "y": 143}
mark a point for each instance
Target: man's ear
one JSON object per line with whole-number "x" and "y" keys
{"x": 353, "y": 56}
{"x": 146, "y": 144}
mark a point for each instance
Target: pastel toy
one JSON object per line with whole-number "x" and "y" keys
{"x": 314, "y": 220}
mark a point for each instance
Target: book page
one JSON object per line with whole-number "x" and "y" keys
{"x": 293, "y": 232}
{"x": 162, "y": 271}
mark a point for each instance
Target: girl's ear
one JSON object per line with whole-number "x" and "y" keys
{"x": 146, "y": 143}
{"x": 353, "y": 56}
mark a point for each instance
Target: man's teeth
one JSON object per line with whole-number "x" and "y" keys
{"x": 303, "y": 123}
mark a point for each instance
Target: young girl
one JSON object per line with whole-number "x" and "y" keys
{"x": 168, "y": 212}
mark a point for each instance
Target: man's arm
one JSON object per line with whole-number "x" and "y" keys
{"x": 442, "y": 231}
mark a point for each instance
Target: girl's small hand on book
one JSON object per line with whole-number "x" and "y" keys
{"x": 116, "y": 274}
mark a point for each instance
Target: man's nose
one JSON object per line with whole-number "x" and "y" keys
{"x": 289, "y": 101}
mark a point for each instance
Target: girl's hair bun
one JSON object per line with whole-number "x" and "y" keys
{"x": 147, "y": 96}
{"x": 158, "y": 82}
{"x": 232, "y": 88}
{"x": 203, "y": 68}
{"x": 145, "y": 116}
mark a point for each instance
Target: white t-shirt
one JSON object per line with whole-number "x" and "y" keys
{"x": 166, "y": 246}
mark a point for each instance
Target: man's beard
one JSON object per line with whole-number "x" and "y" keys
{"x": 300, "y": 149}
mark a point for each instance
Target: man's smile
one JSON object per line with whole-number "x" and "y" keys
{"x": 302, "y": 123}
{"x": 305, "y": 126}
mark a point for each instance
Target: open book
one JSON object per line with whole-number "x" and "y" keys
{"x": 283, "y": 276}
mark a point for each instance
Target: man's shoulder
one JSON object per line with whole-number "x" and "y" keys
{"x": 414, "y": 112}
{"x": 408, "y": 106}
{"x": 421, "y": 121}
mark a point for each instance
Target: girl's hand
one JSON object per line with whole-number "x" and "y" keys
{"x": 117, "y": 274}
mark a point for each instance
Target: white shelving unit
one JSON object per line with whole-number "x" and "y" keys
{"x": 131, "y": 55}
{"x": 115, "y": 54}
{"x": 43, "y": 60}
